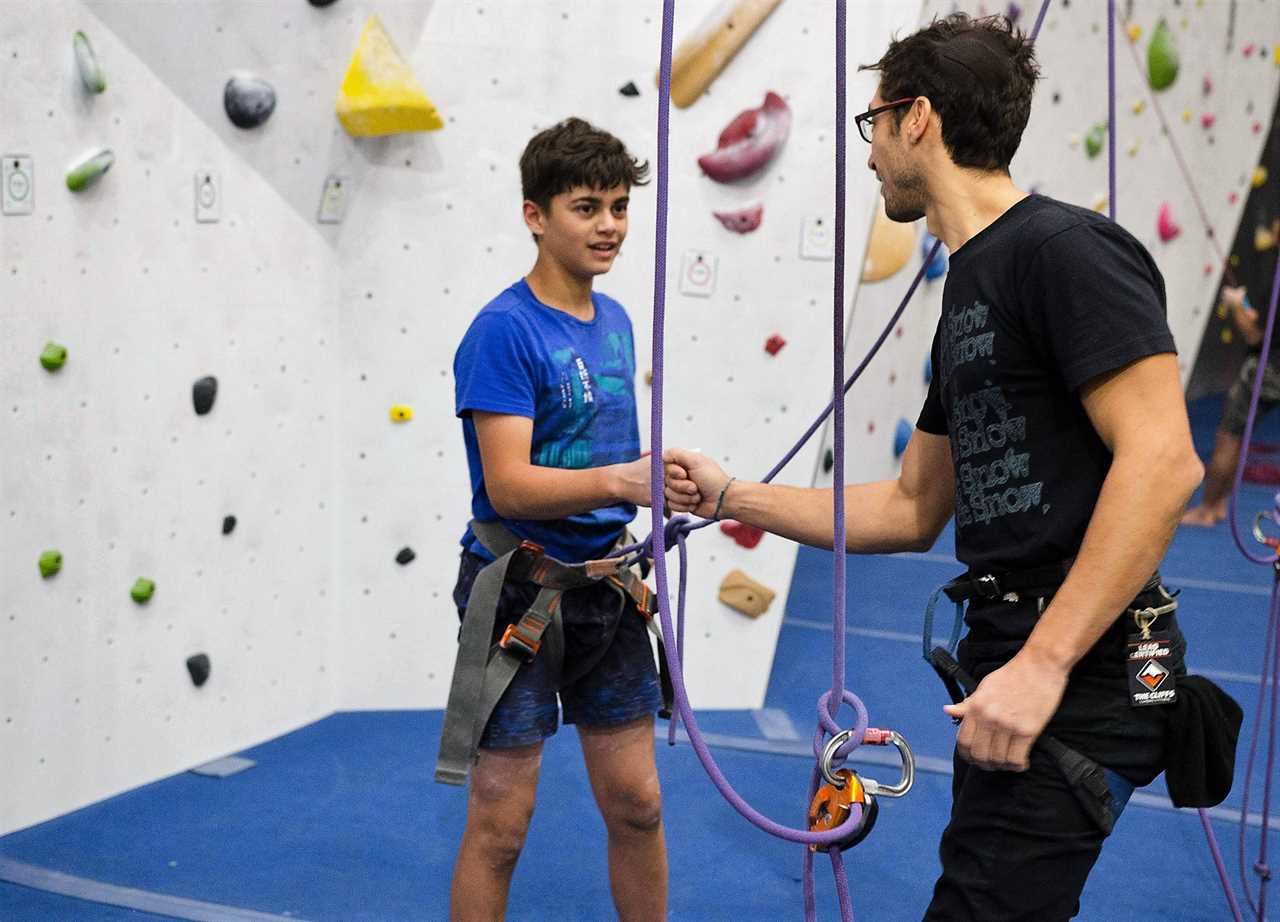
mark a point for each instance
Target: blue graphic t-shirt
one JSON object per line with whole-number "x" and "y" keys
{"x": 576, "y": 381}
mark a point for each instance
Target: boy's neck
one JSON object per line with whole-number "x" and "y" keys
{"x": 556, "y": 288}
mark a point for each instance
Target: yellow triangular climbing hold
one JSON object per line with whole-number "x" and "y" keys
{"x": 380, "y": 94}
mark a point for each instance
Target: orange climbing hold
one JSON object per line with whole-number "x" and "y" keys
{"x": 741, "y": 593}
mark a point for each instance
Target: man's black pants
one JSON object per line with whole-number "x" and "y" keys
{"x": 1019, "y": 846}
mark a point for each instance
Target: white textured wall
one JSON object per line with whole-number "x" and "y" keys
{"x": 106, "y": 459}
{"x": 1072, "y": 50}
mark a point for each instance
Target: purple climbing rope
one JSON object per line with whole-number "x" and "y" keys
{"x": 1271, "y": 659}
{"x": 658, "y": 537}
{"x": 1111, "y": 109}
{"x": 679, "y": 528}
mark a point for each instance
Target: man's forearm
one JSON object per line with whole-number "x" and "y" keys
{"x": 879, "y": 518}
{"x": 1133, "y": 522}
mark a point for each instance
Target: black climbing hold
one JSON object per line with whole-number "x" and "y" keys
{"x": 828, "y": 461}
{"x": 203, "y": 393}
{"x": 630, "y": 90}
{"x": 405, "y": 556}
{"x": 228, "y": 524}
{"x": 249, "y": 101}
{"x": 1057, "y": 98}
{"x": 322, "y": 2}
{"x": 199, "y": 667}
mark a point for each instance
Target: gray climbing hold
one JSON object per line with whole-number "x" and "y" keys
{"x": 50, "y": 563}
{"x": 228, "y": 524}
{"x": 249, "y": 101}
{"x": 87, "y": 64}
{"x": 203, "y": 393}
{"x": 90, "y": 168}
{"x": 53, "y": 357}
{"x": 322, "y": 2}
{"x": 405, "y": 556}
{"x": 199, "y": 667}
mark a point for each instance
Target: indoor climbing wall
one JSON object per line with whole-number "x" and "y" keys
{"x": 1206, "y": 72}
{"x": 748, "y": 298}
{"x": 167, "y": 554}
{"x": 233, "y": 281}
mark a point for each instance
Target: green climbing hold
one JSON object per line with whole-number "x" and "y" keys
{"x": 87, "y": 63}
{"x": 50, "y": 563}
{"x": 84, "y": 173}
{"x": 1094, "y": 139}
{"x": 143, "y": 590}
{"x": 1162, "y": 58}
{"x": 53, "y": 357}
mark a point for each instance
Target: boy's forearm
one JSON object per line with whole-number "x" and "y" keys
{"x": 879, "y": 518}
{"x": 544, "y": 493}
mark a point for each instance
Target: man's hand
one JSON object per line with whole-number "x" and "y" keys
{"x": 632, "y": 483}
{"x": 693, "y": 482}
{"x": 1002, "y": 719}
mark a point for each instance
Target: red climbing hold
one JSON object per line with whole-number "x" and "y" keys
{"x": 749, "y": 142}
{"x": 1207, "y": 119}
{"x": 1166, "y": 227}
{"x": 742, "y": 221}
{"x": 773, "y": 345}
{"x": 746, "y": 535}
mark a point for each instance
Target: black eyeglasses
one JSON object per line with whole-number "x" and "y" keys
{"x": 863, "y": 121}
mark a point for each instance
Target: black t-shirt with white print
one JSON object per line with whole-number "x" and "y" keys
{"x": 1042, "y": 300}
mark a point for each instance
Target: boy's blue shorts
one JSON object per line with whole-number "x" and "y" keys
{"x": 621, "y": 687}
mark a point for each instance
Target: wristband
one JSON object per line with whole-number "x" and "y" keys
{"x": 720, "y": 502}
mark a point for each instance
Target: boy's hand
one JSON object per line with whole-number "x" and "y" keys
{"x": 693, "y": 482}
{"x": 1233, "y": 296}
{"x": 632, "y": 484}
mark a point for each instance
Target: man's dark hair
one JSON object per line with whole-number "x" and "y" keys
{"x": 575, "y": 153}
{"x": 978, "y": 74}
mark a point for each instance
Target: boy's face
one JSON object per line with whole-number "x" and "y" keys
{"x": 583, "y": 229}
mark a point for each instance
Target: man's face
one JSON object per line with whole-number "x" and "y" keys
{"x": 892, "y": 159}
{"x": 583, "y": 229}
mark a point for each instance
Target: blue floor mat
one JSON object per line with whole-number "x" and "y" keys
{"x": 340, "y": 820}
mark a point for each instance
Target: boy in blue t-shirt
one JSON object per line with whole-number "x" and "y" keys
{"x": 545, "y": 388}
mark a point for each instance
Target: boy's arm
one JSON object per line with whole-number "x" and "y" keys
{"x": 905, "y": 514}
{"x": 519, "y": 489}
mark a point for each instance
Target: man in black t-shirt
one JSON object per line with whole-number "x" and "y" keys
{"x": 1054, "y": 430}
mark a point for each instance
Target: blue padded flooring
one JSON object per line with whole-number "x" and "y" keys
{"x": 340, "y": 820}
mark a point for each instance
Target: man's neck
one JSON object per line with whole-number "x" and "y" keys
{"x": 556, "y": 288}
{"x": 963, "y": 203}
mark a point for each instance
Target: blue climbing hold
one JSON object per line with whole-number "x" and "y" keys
{"x": 928, "y": 369}
{"x": 938, "y": 265}
{"x": 901, "y": 436}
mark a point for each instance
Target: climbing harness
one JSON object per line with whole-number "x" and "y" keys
{"x": 482, "y": 672}
{"x": 1101, "y": 792}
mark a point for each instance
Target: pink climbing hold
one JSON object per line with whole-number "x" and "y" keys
{"x": 1208, "y": 84}
{"x": 1257, "y": 127}
{"x": 1233, "y": 197}
{"x": 1166, "y": 227}
{"x": 1208, "y": 268}
{"x": 1207, "y": 119}
{"x": 749, "y": 142}
{"x": 1248, "y": 49}
{"x": 773, "y": 345}
{"x": 743, "y": 221}
{"x": 747, "y": 536}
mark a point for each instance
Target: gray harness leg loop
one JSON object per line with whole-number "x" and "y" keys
{"x": 457, "y": 738}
